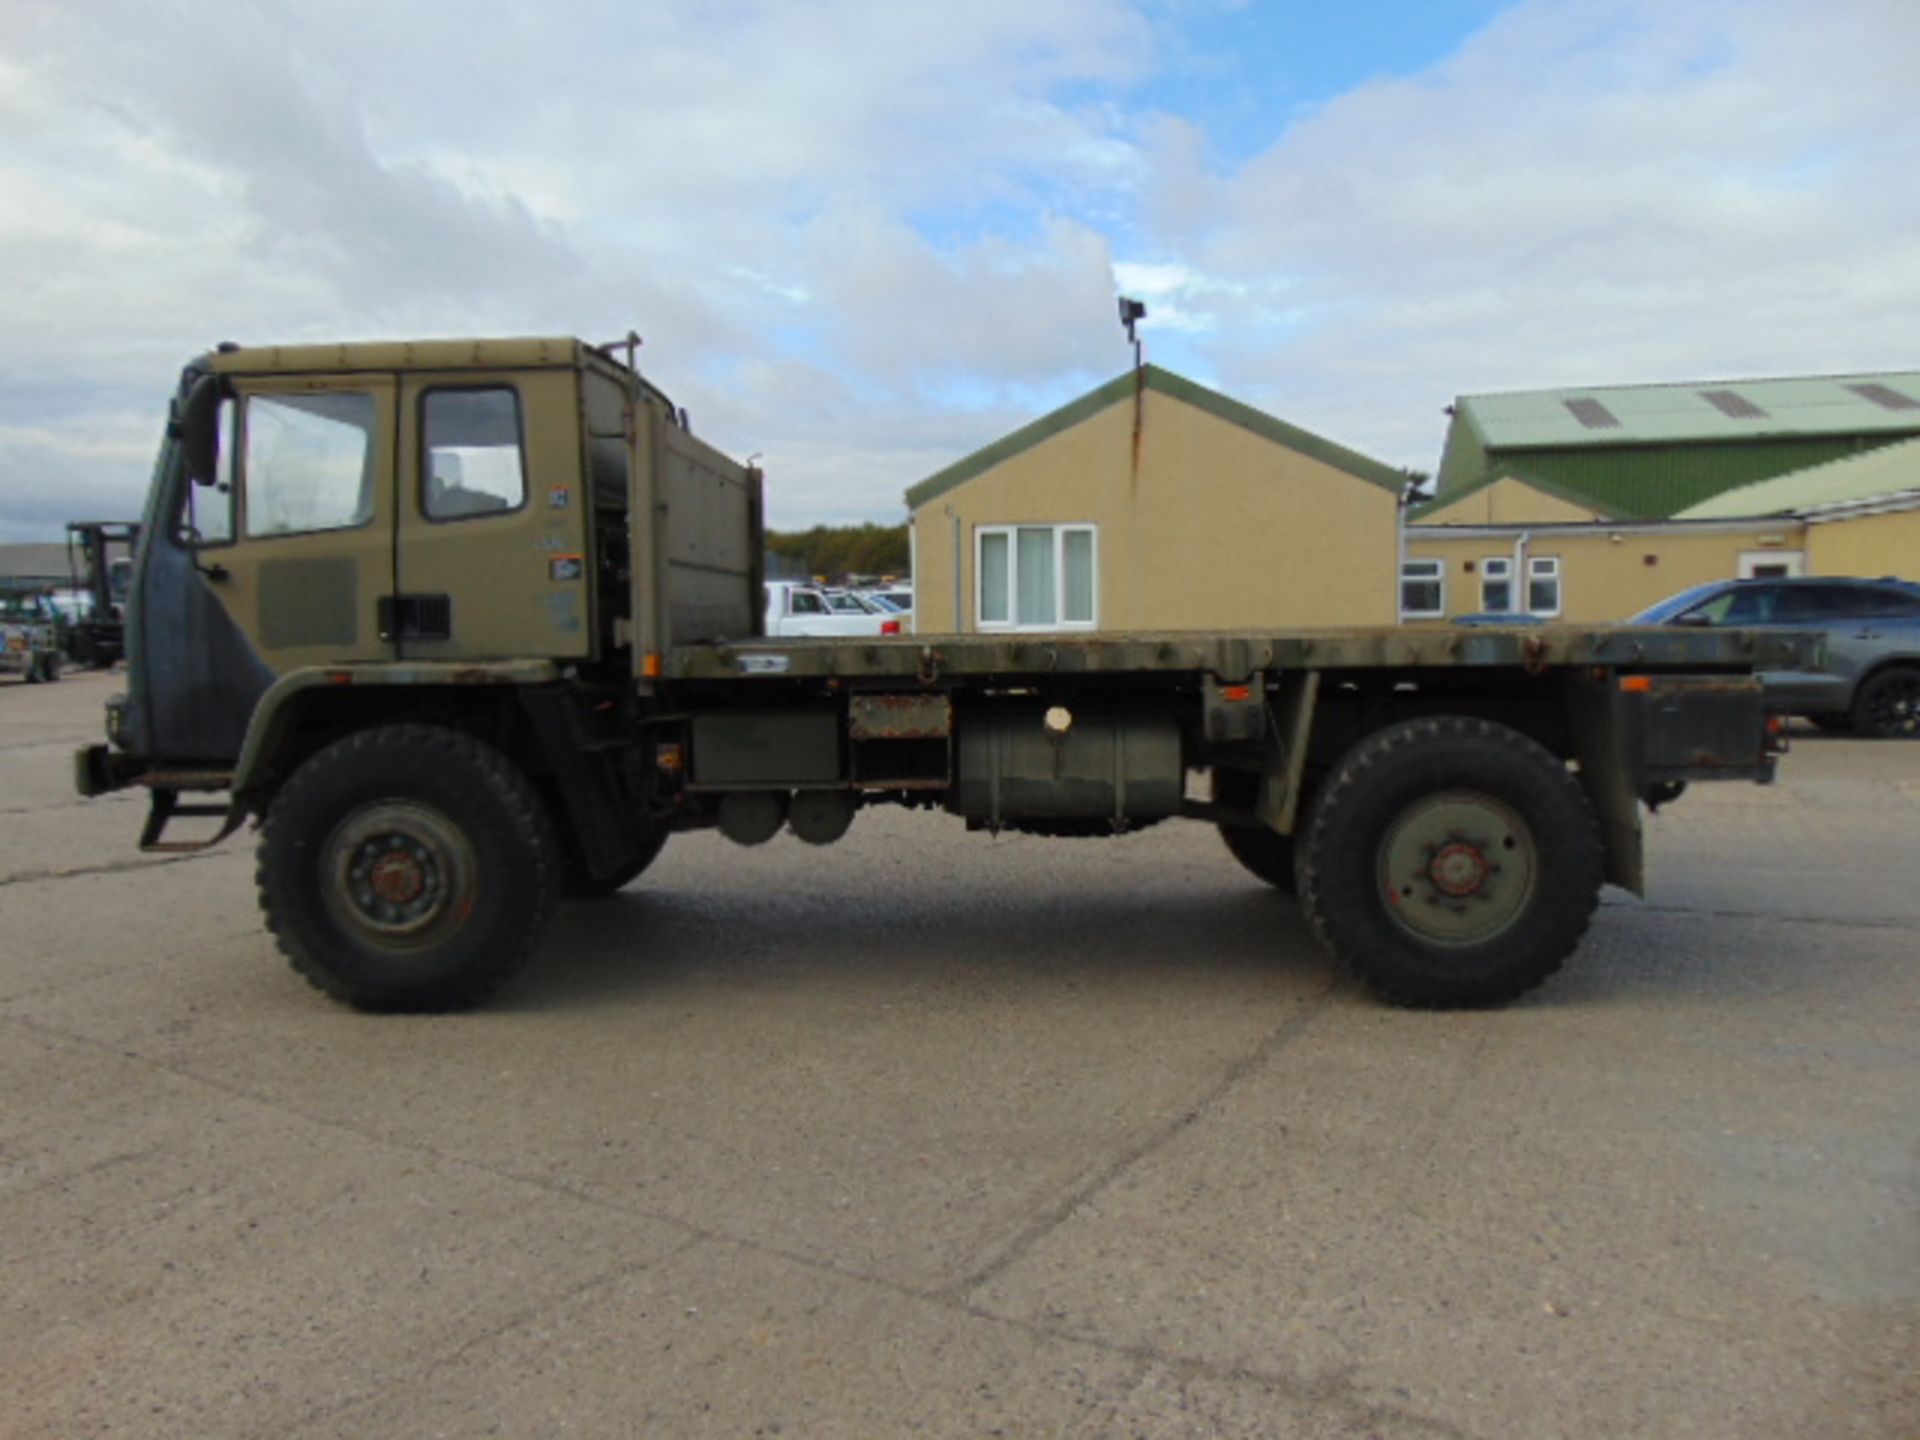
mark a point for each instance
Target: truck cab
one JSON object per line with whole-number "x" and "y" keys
{"x": 439, "y": 505}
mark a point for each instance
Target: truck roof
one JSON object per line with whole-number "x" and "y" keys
{"x": 503, "y": 354}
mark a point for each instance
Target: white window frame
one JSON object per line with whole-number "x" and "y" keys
{"x": 1489, "y": 574}
{"x": 1426, "y": 570}
{"x": 1789, "y": 563}
{"x": 1545, "y": 567}
{"x": 1060, "y": 531}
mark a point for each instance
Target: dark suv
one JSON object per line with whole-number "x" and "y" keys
{"x": 1871, "y": 683}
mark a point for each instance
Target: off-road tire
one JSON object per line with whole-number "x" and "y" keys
{"x": 1887, "y": 705}
{"x": 490, "y": 862}
{"x": 577, "y": 883}
{"x": 1539, "y": 867}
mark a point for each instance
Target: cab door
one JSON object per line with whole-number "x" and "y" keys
{"x": 310, "y": 553}
{"x": 493, "y": 559}
{"x": 280, "y": 564}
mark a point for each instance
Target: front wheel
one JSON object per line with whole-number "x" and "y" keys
{"x": 408, "y": 867}
{"x": 1888, "y": 705}
{"x": 1451, "y": 862}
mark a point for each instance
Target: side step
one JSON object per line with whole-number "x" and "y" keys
{"x": 166, "y": 787}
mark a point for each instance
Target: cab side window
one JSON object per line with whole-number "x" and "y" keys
{"x": 472, "y": 460}
{"x": 309, "y": 462}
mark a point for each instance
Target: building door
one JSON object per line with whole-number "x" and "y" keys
{"x": 1772, "y": 564}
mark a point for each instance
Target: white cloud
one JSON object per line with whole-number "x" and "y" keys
{"x": 277, "y": 171}
{"x": 1588, "y": 192}
{"x": 865, "y": 238}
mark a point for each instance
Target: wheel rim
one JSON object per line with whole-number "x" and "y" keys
{"x": 399, "y": 875}
{"x": 1894, "y": 706}
{"x": 1457, "y": 868}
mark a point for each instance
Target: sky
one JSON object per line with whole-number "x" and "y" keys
{"x": 863, "y": 238}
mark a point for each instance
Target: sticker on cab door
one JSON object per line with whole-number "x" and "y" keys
{"x": 566, "y": 567}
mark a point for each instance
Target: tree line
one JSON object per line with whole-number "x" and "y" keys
{"x": 838, "y": 551}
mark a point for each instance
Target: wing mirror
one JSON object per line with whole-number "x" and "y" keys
{"x": 196, "y": 425}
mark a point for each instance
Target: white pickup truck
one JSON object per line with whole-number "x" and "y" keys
{"x": 795, "y": 608}
{"x": 29, "y": 638}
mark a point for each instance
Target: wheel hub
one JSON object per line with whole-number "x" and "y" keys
{"x": 1457, "y": 868}
{"x": 402, "y": 874}
{"x": 1460, "y": 867}
{"x": 397, "y": 877}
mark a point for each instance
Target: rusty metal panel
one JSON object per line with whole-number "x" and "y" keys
{"x": 899, "y": 717}
{"x": 1703, "y": 729}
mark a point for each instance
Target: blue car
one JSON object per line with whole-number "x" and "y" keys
{"x": 1871, "y": 683}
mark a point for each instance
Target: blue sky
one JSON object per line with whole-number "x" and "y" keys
{"x": 863, "y": 239}
{"x": 1243, "y": 73}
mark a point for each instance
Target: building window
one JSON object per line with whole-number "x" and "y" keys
{"x": 1496, "y": 585}
{"x": 1423, "y": 589}
{"x": 1543, "y": 585}
{"x": 1036, "y": 577}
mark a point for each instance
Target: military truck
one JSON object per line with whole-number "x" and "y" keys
{"x": 467, "y": 627}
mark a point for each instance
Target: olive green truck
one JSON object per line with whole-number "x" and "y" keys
{"x": 467, "y": 627}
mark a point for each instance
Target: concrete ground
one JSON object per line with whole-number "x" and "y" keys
{"x": 937, "y": 1134}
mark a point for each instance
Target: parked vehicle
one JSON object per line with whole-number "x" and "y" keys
{"x": 1869, "y": 682}
{"x": 100, "y": 562}
{"x": 445, "y": 723}
{"x": 801, "y": 609}
{"x": 29, "y": 637}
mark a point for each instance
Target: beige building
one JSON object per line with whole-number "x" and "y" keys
{"x": 1582, "y": 573}
{"x": 1524, "y": 546}
{"x": 1154, "y": 503}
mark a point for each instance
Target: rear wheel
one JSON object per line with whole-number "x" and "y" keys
{"x": 1451, "y": 862}
{"x": 408, "y": 867}
{"x": 1887, "y": 706}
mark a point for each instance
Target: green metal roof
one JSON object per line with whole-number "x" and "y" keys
{"x": 1176, "y": 387}
{"x": 1709, "y": 410}
{"x": 1888, "y": 470}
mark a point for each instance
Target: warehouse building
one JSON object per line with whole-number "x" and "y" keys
{"x": 1588, "y": 506}
{"x": 1154, "y": 503}
{"x": 1645, "y": 452}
